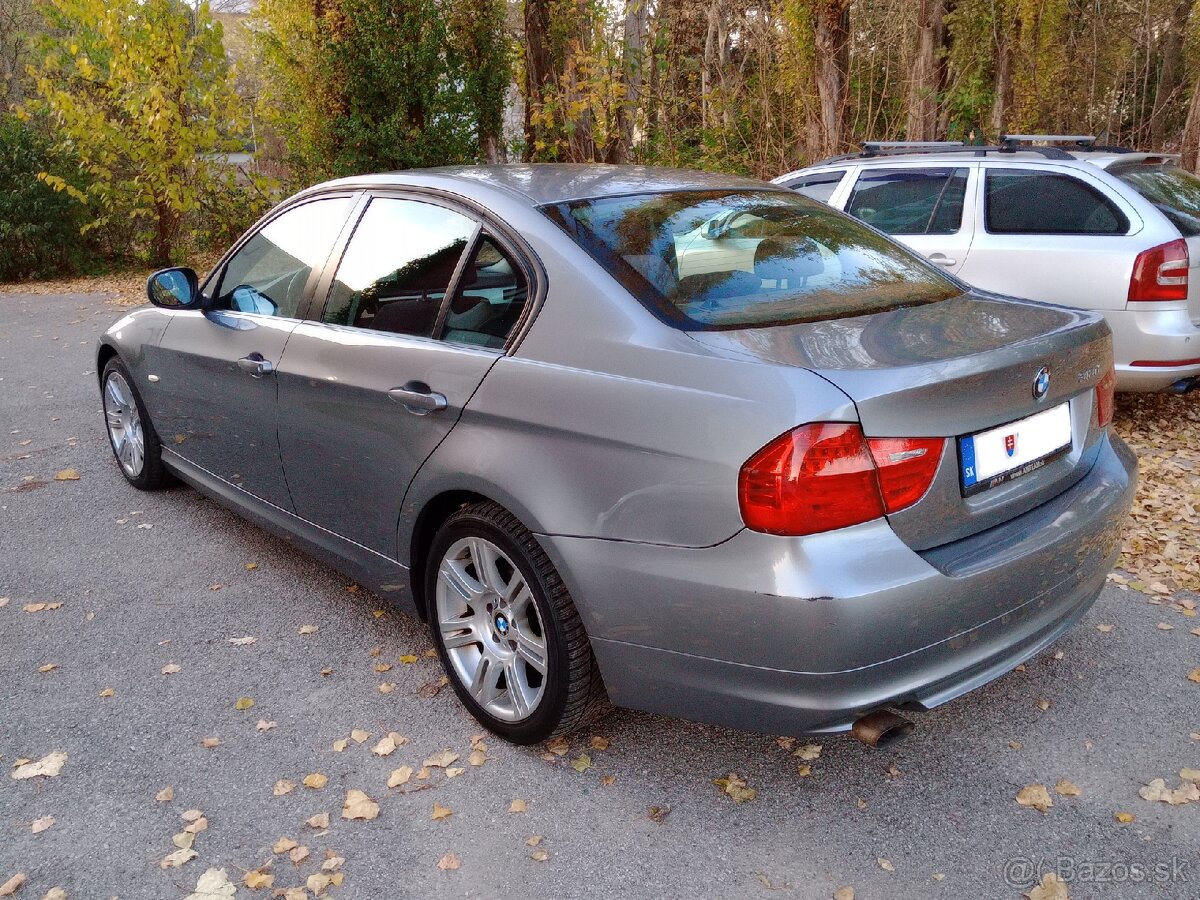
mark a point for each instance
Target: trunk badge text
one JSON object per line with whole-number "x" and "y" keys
{"x": 1041, "y": 384}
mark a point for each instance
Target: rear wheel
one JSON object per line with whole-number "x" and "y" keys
{"x": 130, "y": 434}
{"x": 507, "y": 630}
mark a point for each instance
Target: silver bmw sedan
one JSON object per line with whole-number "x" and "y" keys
{"x": 684, "y": 442}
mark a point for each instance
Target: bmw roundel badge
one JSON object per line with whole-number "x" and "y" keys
{"x": 1041, "y": 383}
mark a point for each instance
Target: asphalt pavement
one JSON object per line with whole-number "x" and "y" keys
{"x": 154, "y": 581}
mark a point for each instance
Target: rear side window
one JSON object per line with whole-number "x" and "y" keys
{"x": 820, "y": 186}
{"x": 397, "y": 268}
{"x": 910, "y": 200}
{"x": 1173, "y": 190}
{"x": 489, "y": 298}
{"x": 1028, "y": 201}
{"x": 722, "y": 259}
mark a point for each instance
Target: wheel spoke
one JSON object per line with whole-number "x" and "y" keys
{"x": 484, "y": 555}
{"x": 114, "y": 418}
{"x": 485, "y": 685}
{"x": 531, "y": 648}
{"x": 516, "y": 688}
{"x": 458, "y": 633}
{"x": 454, "y": 573}
{"x": 135, "y": 456}
{"x": 125, "y": 451}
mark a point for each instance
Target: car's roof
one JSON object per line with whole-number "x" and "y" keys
{"x": 1100, "y": 158}
{"x": 541, "y": 183}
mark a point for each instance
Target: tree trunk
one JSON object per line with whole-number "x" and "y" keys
{"x": 539, "y": 71}
{"x": 1170, "y": 74}
{"x": 1003, "y": 82}
{"x": 637, "y": 16}
{"x": 929, "y": 71}
{"x": 832, "y": 39}
{"x": 1191, "y": 132}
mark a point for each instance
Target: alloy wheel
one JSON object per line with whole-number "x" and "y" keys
{"x": 124, "y": 424}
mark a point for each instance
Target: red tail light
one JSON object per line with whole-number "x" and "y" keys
{"x": 1104, "y": 397}
{"x": 1160, "y": 273}
{"x": 826, "y": 475}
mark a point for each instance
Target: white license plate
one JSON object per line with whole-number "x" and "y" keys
{"x": 992, "y": 457}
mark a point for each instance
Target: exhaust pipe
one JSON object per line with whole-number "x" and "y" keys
{"x": 881, "y": 728}
{"x": 1183, "y": 385}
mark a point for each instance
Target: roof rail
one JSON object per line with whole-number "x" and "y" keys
{"x": 1010, "y": 143}
{"x": 1081, "y": 139}
{"x": 909, "y": 145}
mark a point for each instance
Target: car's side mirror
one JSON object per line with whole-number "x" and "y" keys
{"x": 176, "y": 288}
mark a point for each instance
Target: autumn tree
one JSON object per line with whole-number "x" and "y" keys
{"x": 140, "y": 91}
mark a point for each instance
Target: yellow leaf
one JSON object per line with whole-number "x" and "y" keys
{"x": 283, "y": 845}
{"x": 359, "y": 806}
{"x": 518, "y": 806}
{"x": 387, "y": 687}
{"x": 165, "y": 795}
{"x": 298, "y": 854}
{"x": 441, "y": 812}
{"x": 320, "y": 820}
{"x": 1035, "y": 796}
{"x": 408, "y": 659}
{"x": 441, "y": 760}
{"x": 341, "y": 744}
{"x": 449, "y": 863}
{"x": 1050, "y": 888}
{"x": 400, "y": 776}
{"x": 251, "y": 566}
{"x": 1123, "y": 817}
{"x": 808, "y": 752}
{"x": 316, "y": 781}
{"x": 48, "y": 667}
{"x": 886, "y": 865}
{"x": 40, "y": 825}
{"x": 539, "y": 855}
{"x": 845, "y": 892}
{"x": 283, "y": 786}
{"x": 177, "y": 859}
{"x": 47, "y": 767}
{"x": 66, "y": 475}
{"x": 243, "y": 703}
{"x": 581, "y": 763}
{"x": 1066, "y": 788}
{"x": 308, "y": 629}
{"x": 599, "y": 743}
{"x": 172, "y": 669}
{"x": 108, "y": 692}
{"x": 1194, "y": 675}
{"x": 735, "y": 787}
{"x": 256, "y": 879}
{"x": 358, "y": 735}
{"x": 477, "y": 758}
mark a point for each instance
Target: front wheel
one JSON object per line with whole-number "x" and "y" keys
{"x": 507, "y": 630}
{"x": 130, "y": 434}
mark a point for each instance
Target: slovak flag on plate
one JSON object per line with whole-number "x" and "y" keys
{"x": 1010, "y": 444}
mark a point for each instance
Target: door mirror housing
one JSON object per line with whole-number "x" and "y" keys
{"x": 176, "y": 288}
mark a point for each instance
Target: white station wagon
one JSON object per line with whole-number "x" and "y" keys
{"x": 1101, "y": 228}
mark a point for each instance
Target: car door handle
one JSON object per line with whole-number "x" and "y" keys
{"x": 255, "y": 365}
{"x": 418, "y": 398}
{"x": 941, "y": 259}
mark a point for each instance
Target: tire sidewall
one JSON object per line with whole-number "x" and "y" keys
{"x": 554, "y": 698}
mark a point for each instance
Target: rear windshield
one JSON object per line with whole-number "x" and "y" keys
{"x": 1173, "y": 190}
{"x": 712, "y": 260}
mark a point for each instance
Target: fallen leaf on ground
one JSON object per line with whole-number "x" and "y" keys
{"x": 478, "y": 758}
{"x": 581, "y": 763}
{"x": 559, "y": 746}
{"x": 40, "y": 607}
{"x": 1035, "y": 796}
{"x": 251, "y": 566}
{"x": 256, "y": 879}
{"x": 449, "y": 863}
{"x": 804, "y": 770}
{"x": 518, "y": 806}
{"x": 383, "y": 667}
{"x": 243, "y": 703}
{"x": 201, "y": 824}
{"x": 658, "y": 814}
{"x": 1163, "y": 626}
{"x": 191, "y": 815}
{"x": 213, "y": 885}
{"x": 165, "y": 795}
{"x": 55, "y": 893}
{"x": 608, "y": 780}
{"x": 441, "y": 760}
{"x": 388, "y": 744}
{"x": 316, "y": 781}
{"x": 48, "y": 667}
{"x": 40, "y": 825}
{"x": 533, "y": 840}
{"x": 48, "y": 767}
{"x": 1123, "y": 817}
{"x": 408, "y": 659}
{"x": 341, "y": 744}
{"x": 172, "y": 669}
{"x": 1194, "y": 675}
{"x": 283, "y": 845}
{"x": 441, "y": 812}
{"x": 108, "y": 692}
{"x": 359, "y": 806}
{"x": 387, "y": 687}
{"x": 66, "y": 475}
{"x": 1043, "y": 705}
{"x": 539, "y": 855}
{"x": 359, "y": 735}
{"x": 317, "y": 882}
{"x": 307, "y": 629}
{"x": 600, "y": 743}
{"x": 400, "y": 776}
{"x": 808, "y": 752}
{"x": 10, "y": 887}
{"x": 1105, "y": 629}
{"x": 298, "y": 854}
{"x": 243, "y": 641}
{"x": 454, "y": 771}
{"x": 184, "y": 840}
{"x": 264, "y": 725}
{"x": 210, "y": 742}
{"x": 1050, "y": 888}
{"x": 845, "y": 892}
{"x": 1187, "y": 792}
{"x": 283, "y": 786}
{"x": 733, "y": 785}
{"x": 886, "y": 864}
{"x": 1066, "y": 788}
{"x": 178, "y": 858}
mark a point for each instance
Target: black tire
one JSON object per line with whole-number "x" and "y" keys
{"x": 574, "y": 693}
{"x": 153, "y": 475}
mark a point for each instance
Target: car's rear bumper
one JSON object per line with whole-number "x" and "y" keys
{"x": 1154, "y": 345}
{"x": 792, "y": 635}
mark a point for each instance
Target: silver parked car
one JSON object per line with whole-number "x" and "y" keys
{"x": 691, "y": 442}
{"x": 1099, "y": 228}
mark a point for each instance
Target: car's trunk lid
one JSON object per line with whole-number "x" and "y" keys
{"x": 947, "y": 370}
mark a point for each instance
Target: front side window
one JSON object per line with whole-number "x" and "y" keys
{"x": 268, "y": 275}
{"x": 1029, "y": 201}
{"x": 910, "y": 200}
{"x": 819, "y": 186}
{"x": 397, "y": 268}
{"x": 1175, "y": 191}
{"x": 720, "y": 259}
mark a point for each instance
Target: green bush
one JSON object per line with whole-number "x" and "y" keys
{"x": 39, "y": 226}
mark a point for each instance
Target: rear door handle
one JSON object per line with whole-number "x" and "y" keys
{"x": 418, "y": 398}
{"x": 941, "y": 259}
{"x": 256, "y": 365}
